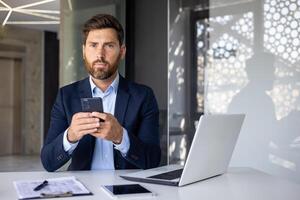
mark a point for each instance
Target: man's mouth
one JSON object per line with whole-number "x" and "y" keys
{"x": 100, "y": 64}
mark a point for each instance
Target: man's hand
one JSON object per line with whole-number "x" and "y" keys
{"x": 82, "y": 123}
{"x": 110, "y": 129}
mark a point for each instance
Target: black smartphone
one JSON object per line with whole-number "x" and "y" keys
{"x": 92, "y": 104}
{"x": 128, "y": 190}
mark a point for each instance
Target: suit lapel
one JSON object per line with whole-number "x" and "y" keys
{"x": 120, "y": 111}
{"x": 85, "y": 89}
{"x": 121, "y": 100}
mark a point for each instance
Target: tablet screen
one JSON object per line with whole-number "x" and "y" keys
{"x": 126, "y": 189}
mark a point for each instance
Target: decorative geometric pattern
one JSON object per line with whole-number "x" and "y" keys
{"x": 281, "y": 37}
{"x": 221, "y": 20}
{"x": 227, "y": 70}
{"x": 244, "y": 26}
{"x": 282, "y": 28}
{"x": 42, "y": 16}
{"x": 226, "y": 47}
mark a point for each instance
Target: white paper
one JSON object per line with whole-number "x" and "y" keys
{"x": 25, "y": 188}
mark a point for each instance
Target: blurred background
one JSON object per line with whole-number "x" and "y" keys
{"x": 199, "y": 57}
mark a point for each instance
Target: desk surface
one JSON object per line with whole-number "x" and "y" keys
{"x": 236, "y": 184}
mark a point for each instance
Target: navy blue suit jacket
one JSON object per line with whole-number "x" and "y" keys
{"x": 136, "y": 110}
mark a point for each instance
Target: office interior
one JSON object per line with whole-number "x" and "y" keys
{"x": 199, "y": 57}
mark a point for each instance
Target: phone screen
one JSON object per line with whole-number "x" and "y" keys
{"x": 126, "y": 189}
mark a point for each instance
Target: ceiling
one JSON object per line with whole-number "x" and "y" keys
{"x": 33, "y": 14}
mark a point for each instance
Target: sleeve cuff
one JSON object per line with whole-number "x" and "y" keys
{"x": 68, "y": 147}
{"x": 123, "y": 147}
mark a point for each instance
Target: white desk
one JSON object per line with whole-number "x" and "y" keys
{"x": 237, "y": 184}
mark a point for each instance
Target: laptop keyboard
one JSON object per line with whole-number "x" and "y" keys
{"x": 168, "y": 175}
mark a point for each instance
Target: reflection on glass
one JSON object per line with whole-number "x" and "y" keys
{"x": 202, "y": 47}
{"x": 176, "y": 78}
{"x": 225, "y": 59}
{"x": 282, "y": 162}
{"x": 284, "y": 97}
{"x": 266, "y": 89}
{"x": 244, "y": 26}
{"x": 232, "y": 63}
{"x": 281, "y": 22}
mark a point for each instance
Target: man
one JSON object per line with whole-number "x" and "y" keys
{"x": 126, "y": 135}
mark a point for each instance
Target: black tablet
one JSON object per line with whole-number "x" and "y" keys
{"x": 127, "y": 190}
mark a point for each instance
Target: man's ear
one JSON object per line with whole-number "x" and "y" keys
{"x": 123, "y": 51}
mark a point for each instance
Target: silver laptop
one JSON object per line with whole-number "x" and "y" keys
{"x": 209, "y": 155}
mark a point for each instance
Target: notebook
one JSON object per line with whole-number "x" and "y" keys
{"x": 209, "y": 155}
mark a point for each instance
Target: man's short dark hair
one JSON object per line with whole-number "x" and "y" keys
{"x": 102, "y": 21}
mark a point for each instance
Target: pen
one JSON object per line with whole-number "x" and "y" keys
{"x": 40, "y": 186}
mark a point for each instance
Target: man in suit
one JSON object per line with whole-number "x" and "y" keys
{"x": 125, "y": 135}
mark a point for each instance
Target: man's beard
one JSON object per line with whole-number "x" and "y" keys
{"x": 102, "y": 74}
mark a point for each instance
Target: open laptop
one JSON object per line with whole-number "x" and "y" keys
{"x": 209, "y": 155}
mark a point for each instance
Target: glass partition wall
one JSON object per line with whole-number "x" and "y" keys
{"x": 185, "y": 75}
{"x": 237, "y": 57}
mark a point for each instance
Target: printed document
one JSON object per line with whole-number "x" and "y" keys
{"x": 56, "y": 187}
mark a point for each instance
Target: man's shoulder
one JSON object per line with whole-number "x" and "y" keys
{"x": 74, "y": 85}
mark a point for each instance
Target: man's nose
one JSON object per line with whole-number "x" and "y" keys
{"x": 100, "y": 52}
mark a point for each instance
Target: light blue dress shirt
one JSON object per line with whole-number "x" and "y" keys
{"x": 103, "y": 157}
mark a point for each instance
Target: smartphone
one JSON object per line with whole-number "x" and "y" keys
{"x": 128, "y": 190}
{"x": 92, "y": 104}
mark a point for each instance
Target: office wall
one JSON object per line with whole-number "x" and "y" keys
{"x": 26, "y": 47}
{"x": 260, "y": 76}
{"x": 51, "y": 76}
{"x": 10, "y": 107}
{"x": 150, "y": 56}
{"x": 151, "y": 47}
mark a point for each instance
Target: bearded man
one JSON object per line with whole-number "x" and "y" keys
{"x": 125, "y": 135}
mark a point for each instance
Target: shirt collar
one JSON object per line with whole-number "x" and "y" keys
{"x": 114, "y": 85}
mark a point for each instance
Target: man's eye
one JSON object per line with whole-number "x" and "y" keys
{"x": 93, "y": 45}
{"x": 111, "y": 46}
